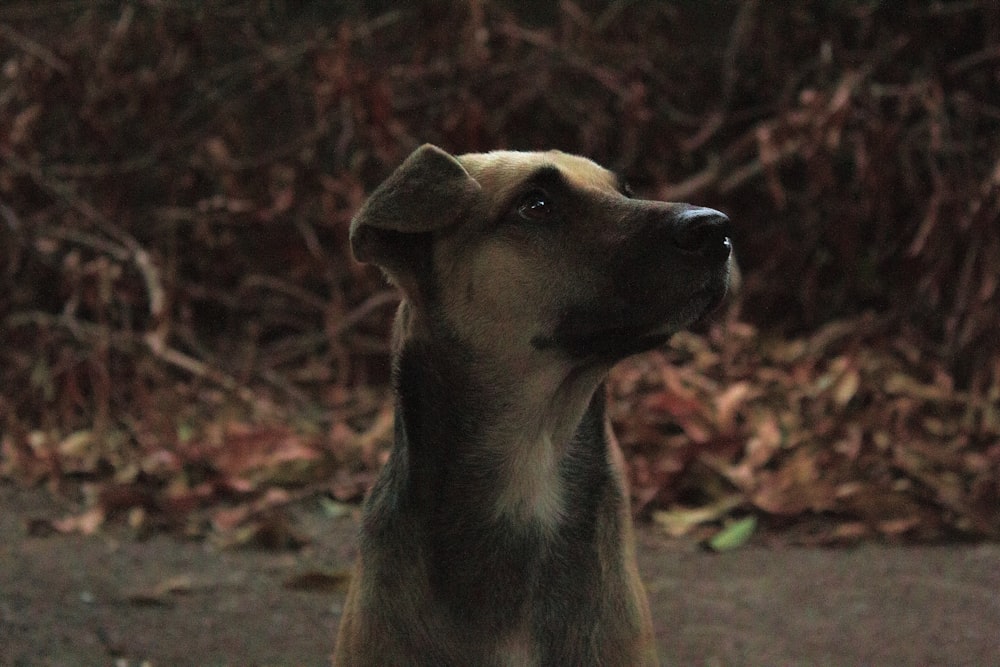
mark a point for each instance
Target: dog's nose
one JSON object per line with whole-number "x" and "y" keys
{"x": 703, "y": 231}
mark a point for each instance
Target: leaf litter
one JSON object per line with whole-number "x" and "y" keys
{"x": 841, "y": 426}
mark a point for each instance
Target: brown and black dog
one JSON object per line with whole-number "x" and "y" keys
{"x": 499, "y": 530}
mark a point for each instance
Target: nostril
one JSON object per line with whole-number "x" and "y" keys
{"x": 702, "y": 231}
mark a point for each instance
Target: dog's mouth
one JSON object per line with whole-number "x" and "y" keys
{"x": 604, "y": 345}
{"x": 587, "y": 335}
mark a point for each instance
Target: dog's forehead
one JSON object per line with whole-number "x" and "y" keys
{"x": 500, "y": 171}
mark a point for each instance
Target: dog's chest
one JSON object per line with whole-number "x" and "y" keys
{"x": 517, "y": 650}
{"x": 531, "y": 488}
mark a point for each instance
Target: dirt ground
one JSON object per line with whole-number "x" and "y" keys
{"x": 113, "y": 600}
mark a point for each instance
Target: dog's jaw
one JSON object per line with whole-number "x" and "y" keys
{"x": 606, "y": 344}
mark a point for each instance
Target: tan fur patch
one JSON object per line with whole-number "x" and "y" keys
{"x": 532, "y": 489}
{"x": 501, "y": 172}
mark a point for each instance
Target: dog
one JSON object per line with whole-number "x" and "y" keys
{"x": 499, "y": 531}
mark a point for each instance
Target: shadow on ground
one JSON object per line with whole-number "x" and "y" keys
{"x": 70, "y": 600}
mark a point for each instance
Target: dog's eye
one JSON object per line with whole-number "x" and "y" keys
{"x": 535, "y": 206}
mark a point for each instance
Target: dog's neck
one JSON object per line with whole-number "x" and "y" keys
{"x": 474, "y": 497}
{"x": 505, "y": 426}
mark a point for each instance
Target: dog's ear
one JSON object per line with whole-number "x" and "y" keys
{"x": 431, "y": 190}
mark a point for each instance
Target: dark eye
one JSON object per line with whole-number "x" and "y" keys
{"x": 535, "y": 206}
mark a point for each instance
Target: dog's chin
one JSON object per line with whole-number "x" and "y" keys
{"x": 712, "y": 301}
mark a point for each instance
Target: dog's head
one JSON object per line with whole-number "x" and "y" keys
{"x": 541, "y": 253}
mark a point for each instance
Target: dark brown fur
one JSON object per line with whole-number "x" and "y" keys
{"x": 499, "y": 530}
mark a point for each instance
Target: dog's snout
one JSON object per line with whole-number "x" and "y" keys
{"x": 702, "y": 231}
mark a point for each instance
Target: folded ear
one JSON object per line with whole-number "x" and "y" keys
{"x": 429, "y": 191}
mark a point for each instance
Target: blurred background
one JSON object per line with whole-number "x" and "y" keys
{"x": 184, "y": 334}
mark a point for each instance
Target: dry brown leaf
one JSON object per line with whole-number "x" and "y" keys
{"x": 160, "y": 594}
{"x": 255, "y": 455}
{"x": 764, "y": 443}
{"x": 846, "y": 386}
{"x": 273, "y": 532}
{"x": 897, "y": 527}
{"x": 680, "y": 521}
{"x": 86, "y": 523}
{"x": 320, "y": 581}
{"x": 729, "y": 402}
{"x": 795, "y": 487}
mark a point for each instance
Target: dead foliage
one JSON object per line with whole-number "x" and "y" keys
{"x": 182, "y": 328}
{"x": 853, "y": 430}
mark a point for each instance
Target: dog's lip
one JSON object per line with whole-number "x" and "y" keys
{"x": 604, "y": 345}
{"x": 622, "y": 340}
{"x": 705, "y": 302}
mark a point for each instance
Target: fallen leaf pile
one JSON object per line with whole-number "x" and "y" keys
{"x": 851, "y": 425}
{"x": 851, "y": 432}
{"x": 228, "y": 479}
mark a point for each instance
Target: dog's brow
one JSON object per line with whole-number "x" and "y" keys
{"x": 564, "y": 177}
{"x": 548, "y": 174}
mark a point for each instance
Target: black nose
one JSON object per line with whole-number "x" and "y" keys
{"x": 703, "y": 231}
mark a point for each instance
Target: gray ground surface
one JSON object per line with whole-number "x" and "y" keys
{"x": 105, "y": 600}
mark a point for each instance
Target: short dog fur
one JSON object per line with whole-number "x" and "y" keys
{"x": 499, "y": 530}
